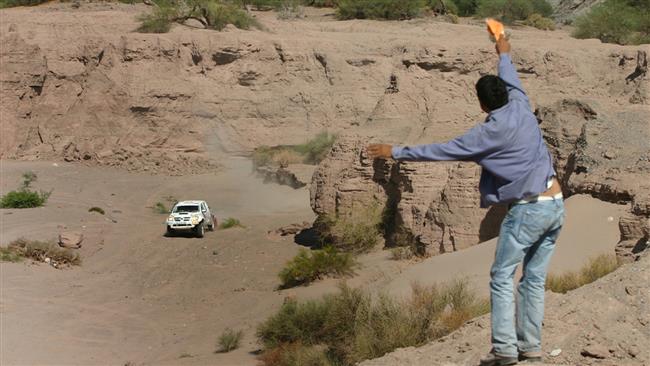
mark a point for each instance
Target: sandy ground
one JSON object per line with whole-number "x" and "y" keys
{"x": 140, "y": 297}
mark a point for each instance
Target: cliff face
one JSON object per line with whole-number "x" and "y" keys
{"x": 436, "y": 204}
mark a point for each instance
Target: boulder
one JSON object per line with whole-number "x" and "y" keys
{"x": 70, "y": 240}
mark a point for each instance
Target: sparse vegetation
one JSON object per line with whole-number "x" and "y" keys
{"x": 28, "y": 178}
{"x": 311, "y": 152}
{"x": 356, "y": 233}
{"x": 230, "y": 223}
{"x": 509, "y": 11}
{"x": 14, "y": 3}
{"x": 616, "y": 21}
{"x": 39, "y": 251}
{"x": 9, "y": 255}
{"x": 351, "y": 326}
{"x": 540, "y": 22}
{"x": 401, "y": 253}
{"x": 24, "y": 197}
{"x": 308, "y": 266}
{"x": 380, "y": 9}
{"x": 213, "y": 14}
{"x": 596, "y": 268}
{"x": 99, "y": 210}
{"x": 229, "y": 340}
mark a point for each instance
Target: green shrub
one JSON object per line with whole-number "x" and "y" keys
{"x": 229, "y": 340}
{"x": 380, "y": 9}
{"x": 357, "y": 232}
{"x": 510, "y": 10}
{"x": 99, "y": 210}
{"x": 159, "y": 21}
{"x": 39, "y": 251}
{"x": 466, "y": 7}
{"x": 230, "y": 223}
{"x": 350, "y": 326}
{"x": 596, "y": 268}
{"x": 24, "y": 199}
{"x": 308, "y": 266}
{"x": 214, "y": 14}
{"x": 311, "y": 152}
{"x": 616, "y": 21}
{"x": 540, "y": 22}
{"x": 316, "y": 149}
{"x": 443, "y": 7}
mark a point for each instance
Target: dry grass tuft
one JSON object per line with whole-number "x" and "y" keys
{"x": 40, "y": 251}
{"x": 309, "y": 266}
{"x": 596, "y": 268}
{"x": 352, "y": 326}
{"x": 229, "y": 340}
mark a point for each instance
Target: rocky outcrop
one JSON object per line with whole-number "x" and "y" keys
{"x": 606, "y": 155}
{"x": 435, "y": 204}
{"x": 597, "y": 153}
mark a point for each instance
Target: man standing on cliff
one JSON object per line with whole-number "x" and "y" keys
{"x": 517, "y": 169}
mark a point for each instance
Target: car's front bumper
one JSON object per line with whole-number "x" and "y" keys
{"x": 180, "y": 225}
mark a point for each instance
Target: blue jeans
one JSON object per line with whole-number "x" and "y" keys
{"x": 528, "y": 234}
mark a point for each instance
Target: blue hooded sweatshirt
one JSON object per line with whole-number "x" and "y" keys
{"x": 508, "y": 145}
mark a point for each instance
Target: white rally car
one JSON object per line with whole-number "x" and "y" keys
{"x": 194, "y": 216}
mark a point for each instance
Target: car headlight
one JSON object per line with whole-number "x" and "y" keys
{"x": 170, "y": 218}
{"x": 195, "y": 219}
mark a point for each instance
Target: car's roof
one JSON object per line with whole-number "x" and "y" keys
{"x": 192, "y": 202}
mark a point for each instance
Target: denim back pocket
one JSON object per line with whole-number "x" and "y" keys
{"x": 534, "y": 221}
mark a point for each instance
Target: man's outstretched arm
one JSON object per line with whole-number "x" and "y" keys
{"x": 507, "y": 71}
{"x": 471, "y": 146}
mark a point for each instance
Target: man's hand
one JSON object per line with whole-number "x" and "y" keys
{"x": 380, "y": 151}
{"x": 503, "y": 46}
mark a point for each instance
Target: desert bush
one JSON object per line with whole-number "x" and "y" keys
{"x": 356, "y": 233}
{"x": 351, "y": 326}
{"x": 229, "y": 340}
{"x": 14, "y": 3}
{"x": 289, "y": 9}
{"x": 9, "y": 255}
{"x": 311, "y": 152}
{"x": 321, "y": 3}
{"x": 510, "y": 10}
{"x": 99, "y": 210}
{"x": 616, "y": 21}
{"x": 540, "y": 22}
{"x": 230, "y": 223}
{"x": 39, "y": 251}
{"x": 315, "y": 150}
{"x": 443, "y": 7}
{"x": 308, "y": 266}
{"x": 596, "y": 268}
{"x": 401, "y": 253}
{"x": 380, "y": 9}
{"x": 24, "y": 198}
{"x": 214, "y": 14}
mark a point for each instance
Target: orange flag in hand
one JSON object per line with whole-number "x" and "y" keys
{"x": 495, "y": 28}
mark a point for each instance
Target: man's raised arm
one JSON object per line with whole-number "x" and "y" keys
{"x": 507, "y": 71}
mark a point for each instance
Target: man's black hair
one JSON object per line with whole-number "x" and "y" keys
{"x": 492, "y": 92}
